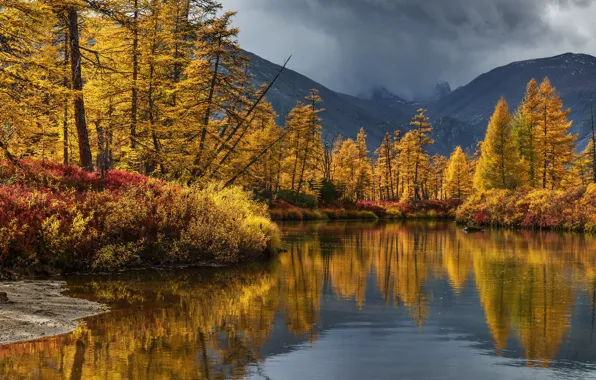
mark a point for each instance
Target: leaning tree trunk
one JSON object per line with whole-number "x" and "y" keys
{"x": 134, "y": 99}
{"x": 65, "y": 110}
{"x": 77, "y": 85}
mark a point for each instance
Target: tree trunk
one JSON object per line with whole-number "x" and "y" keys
{"x": 77, "y": 85}
{"x": 65, "y": 115}
{"x": 135, "y": 76}
{"x": 296, "y": 157}
{"x": 101, "y": 148}
{"x": 208, "y": 111}
{"x": 503, "y": 158}
{"x": 301, "y": 178}
{"x": 545, "y": 150}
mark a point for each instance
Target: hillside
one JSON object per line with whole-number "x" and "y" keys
{"x": 343, "y": 113}
{"x": 573, "y": 75}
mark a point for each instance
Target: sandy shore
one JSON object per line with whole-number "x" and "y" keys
{"x": 36, "y": 309}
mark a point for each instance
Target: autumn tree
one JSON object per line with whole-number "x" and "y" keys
{"x": 422, "y": 129}
{"x": 364, "y": 177}
{"x": 411, "y": 157}
{"x": 526, "y": 120}
{"x": 554, "y": 144}
{"x": 499, "y": 163}
{"x": 386, "y": 156}
{"x": 435, "y": 184}
{"x": 347, "y": 159}
{"x": 458, "y": 180}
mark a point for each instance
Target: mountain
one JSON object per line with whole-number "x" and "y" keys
{"x": 442, "y": 89}
{"x": 383, "y": 96}
{"x": 573, "y": 75}
{"x": 343, "y": 113}
{"x": 459, "y": 117}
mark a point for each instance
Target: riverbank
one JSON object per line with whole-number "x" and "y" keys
{"x": 37, "y": 309}
{"x": 58, "y": 218}
{"x": 570, "y": 210}
{"x": 369, "y": 210}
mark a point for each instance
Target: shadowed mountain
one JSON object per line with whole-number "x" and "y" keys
{"x": 573, "y": 75}
{"x": 459, "y": 117}
{"x": 343, "y": 113}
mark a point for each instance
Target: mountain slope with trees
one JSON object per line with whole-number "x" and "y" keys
{"x": 459, "y": 117}
{"x": 573, "y": 75}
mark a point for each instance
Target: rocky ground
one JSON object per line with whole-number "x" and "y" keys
{"x": 36, "y": 309}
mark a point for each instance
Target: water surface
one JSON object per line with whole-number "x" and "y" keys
{"x": 346, "y": 301}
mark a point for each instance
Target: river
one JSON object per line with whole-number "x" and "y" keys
{"x": 349, "y": 300}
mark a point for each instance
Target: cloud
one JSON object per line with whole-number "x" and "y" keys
{"x": 407, "y": 45}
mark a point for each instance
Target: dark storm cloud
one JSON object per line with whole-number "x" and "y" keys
{"x": 407, "y": 45}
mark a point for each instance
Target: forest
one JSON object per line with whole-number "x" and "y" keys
{"x": 143, "y": 105}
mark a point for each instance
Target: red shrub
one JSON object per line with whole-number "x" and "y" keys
{"x": 482, "y": 217}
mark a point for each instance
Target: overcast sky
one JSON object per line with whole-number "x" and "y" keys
{"x": 408, "y": 45}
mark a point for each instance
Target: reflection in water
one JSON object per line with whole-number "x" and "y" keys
{"x": 223, "y": 323}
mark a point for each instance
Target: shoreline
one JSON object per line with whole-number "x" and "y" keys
{"x": 38, "y": 309}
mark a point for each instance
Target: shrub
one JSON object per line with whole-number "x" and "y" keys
{"x": 571, "y": 209}
{"x": 411, "y": 209}
{"x": 63, "y": 217}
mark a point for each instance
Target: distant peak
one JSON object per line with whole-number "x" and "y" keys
{"x": 382, "y": 94}
{"x": 442, "y": 89}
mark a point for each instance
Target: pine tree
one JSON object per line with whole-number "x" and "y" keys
{"x": 499, "y": 163}
{"x": 458, "y": 180}
{"x": 526, "y": 121}
{"x": 411, "y": 157}
{"x": 385, "y": 162}
{"x": 421, "y": 129}
{"x": 348, "y": 170}
{"x": 554, "y": 145}
{"x": 436, "y": 176}
{"x": 364, "y": 168}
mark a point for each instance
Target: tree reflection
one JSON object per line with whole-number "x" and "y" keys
{"x": 213, "y": 323}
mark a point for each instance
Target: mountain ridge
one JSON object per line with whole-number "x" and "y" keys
{"x": 459, "y": 117}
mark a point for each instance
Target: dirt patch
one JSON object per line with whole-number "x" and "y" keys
{"x": 36, "y": 309}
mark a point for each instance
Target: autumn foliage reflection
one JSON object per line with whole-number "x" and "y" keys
{"x": 214, "y": 323}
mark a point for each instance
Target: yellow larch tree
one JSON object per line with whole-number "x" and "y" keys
{"x": 364, "y": 179}
{"x": 526, "y": 121}
{"x": 499, "y": 163}
{"x": 458, "y": 180}
{"x": 554, "y": 144}
{"x": 411, "y": 157}
{"x": 436, "y": 177}
{"x": 386, "y": 157}
{"x": 421, "y": 129}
